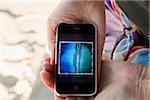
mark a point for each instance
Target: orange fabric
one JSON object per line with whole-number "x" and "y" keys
{"x": 115, "y": 7}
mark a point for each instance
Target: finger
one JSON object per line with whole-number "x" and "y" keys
{"x": 51, "y": 34}
{"x": 47, "y": 79}
{"x": 47, "y": 58}
{"x": 52, "y": 61}
{"x": 71, "y": 98}
{"x": 78, "y": 98}
{"x": 49, "y": 68}
{"x": 85, "y": 98}
{"x": 58, "y": 97}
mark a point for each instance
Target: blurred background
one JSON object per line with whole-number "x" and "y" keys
{"x": 22, "y": 47}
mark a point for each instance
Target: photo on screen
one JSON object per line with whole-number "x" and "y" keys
{"x": 75, "y": 58}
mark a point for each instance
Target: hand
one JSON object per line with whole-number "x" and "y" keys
{"x": 124, "y": 81}
{"x": 76, "y": 11}
{"x": 119, "y": 81}
{"x": 48, "y": 78}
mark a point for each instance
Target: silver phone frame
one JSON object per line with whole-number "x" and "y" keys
{"x": 95, "y": 59}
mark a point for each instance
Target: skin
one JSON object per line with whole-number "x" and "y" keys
{"x": 118, "y": 80}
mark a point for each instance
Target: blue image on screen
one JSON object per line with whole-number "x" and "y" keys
{"x": 75, "y": 58}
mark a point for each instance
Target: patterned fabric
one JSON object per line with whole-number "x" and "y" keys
{"x": 123, "y": 40}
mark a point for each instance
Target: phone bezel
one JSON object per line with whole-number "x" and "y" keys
{"x": 91, "y": 94}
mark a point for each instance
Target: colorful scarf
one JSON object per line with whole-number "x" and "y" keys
{"x": 123, "y": 38}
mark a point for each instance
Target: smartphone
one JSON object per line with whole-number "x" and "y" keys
{"x": 76, "y": 59}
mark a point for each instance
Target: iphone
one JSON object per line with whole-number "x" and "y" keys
{"x": 76, "y": 59}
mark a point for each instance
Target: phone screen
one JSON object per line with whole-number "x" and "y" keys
{"x": 76, "y": 63}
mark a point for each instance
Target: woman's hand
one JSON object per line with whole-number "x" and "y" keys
{"x": 119, "y": 81}
{"x": 48, "y": 78}
{"x": 74, "y": 11}
{"x": 77, "y": 11}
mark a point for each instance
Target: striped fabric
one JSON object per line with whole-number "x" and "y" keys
{"x": 124, "y": 37}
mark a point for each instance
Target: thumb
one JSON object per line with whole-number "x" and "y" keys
{"x": 51, "y": 52}
{"x": 51, "y": 36}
